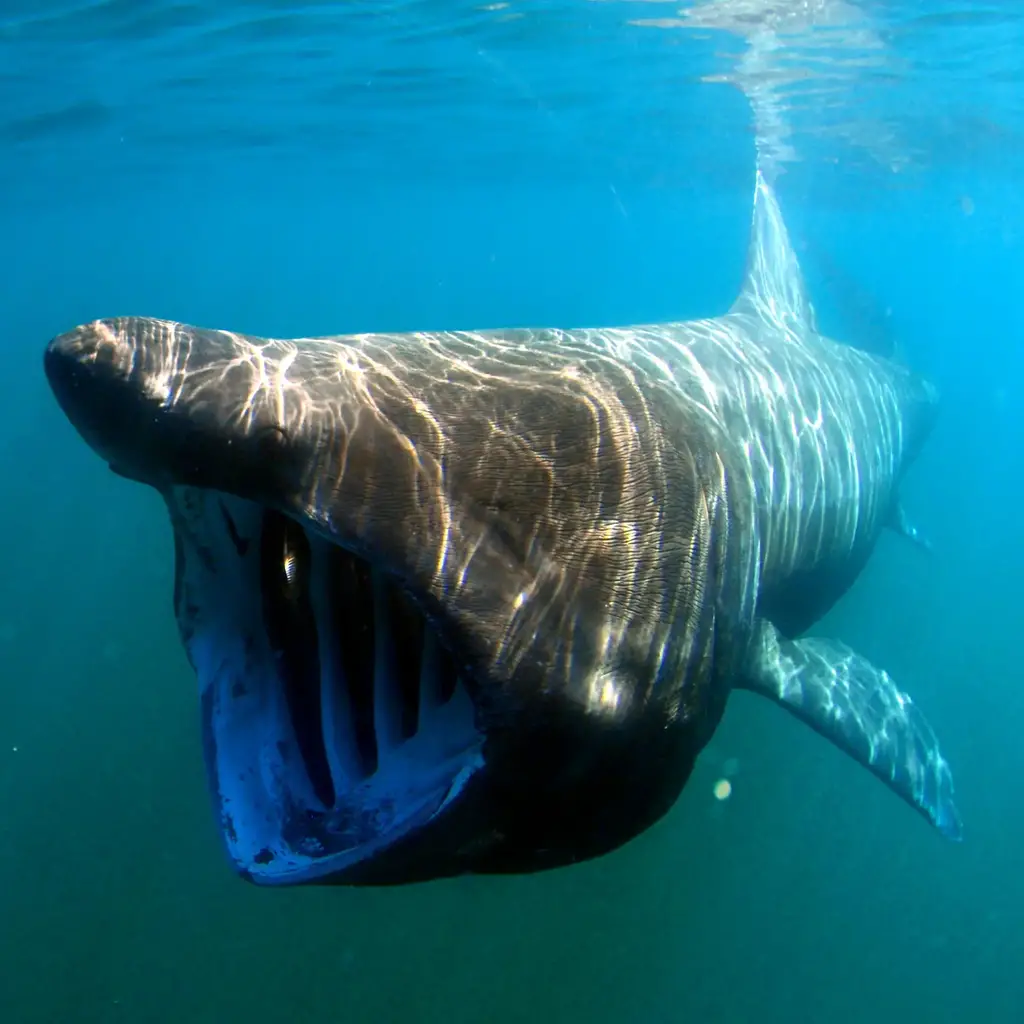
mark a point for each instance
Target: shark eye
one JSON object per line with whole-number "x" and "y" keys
{"x": 270, "y": 441}
{"x": 507, "y": 530}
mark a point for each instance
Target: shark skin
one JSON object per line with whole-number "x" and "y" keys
{"x": 474, "y": 601}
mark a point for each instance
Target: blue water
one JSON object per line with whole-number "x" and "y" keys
{"x": 288, "y": 169}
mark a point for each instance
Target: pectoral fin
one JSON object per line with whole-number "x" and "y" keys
{"x": 904, "y": 526}
{"x": 859, "y": 708}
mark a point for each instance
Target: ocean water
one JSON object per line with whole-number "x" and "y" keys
{"x": 287, "y": 169}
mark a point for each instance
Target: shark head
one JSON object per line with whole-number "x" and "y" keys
{"x": 443, "y": 594}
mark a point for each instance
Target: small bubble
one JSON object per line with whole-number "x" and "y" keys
{"x": 731, "y": 766}
{"x": 967, "y": 205}
{"x": 723, "y": 789}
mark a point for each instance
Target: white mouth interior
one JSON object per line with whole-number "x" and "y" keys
{"x": 334, "y": 721}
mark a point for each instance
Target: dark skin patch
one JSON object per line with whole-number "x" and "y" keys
{"x": 241, "y": 543}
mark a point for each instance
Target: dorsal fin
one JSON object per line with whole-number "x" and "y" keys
{"x": 774, "y": 287}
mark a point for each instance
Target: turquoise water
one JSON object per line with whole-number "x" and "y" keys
{"x": 301, "y": 169}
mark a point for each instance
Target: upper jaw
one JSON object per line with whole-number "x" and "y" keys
{"x": 168, "y": 404}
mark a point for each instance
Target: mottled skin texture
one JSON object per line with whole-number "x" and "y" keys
{"x": 628, "y": 521}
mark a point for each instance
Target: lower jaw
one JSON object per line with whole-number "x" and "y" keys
{"x": 277, "y": 831}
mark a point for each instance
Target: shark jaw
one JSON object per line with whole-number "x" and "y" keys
{"x": 336, "y": 724}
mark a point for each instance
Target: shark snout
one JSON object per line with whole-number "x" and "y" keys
{"x": 94, "y": 344}
{"x": 165, "y": 404}
{"x": 90, "y": 370}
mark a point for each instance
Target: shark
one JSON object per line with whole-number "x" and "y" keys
{"x": 474, "y": 601}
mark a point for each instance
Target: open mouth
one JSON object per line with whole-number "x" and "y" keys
{"x": 335, "y": 720}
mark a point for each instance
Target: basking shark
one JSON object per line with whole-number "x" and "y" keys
{"x": 474, "y": 601}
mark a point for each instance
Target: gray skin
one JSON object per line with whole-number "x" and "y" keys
{"x": 572, "y": 545}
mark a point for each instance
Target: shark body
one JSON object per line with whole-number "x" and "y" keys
{"x": 473, "y": 601}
